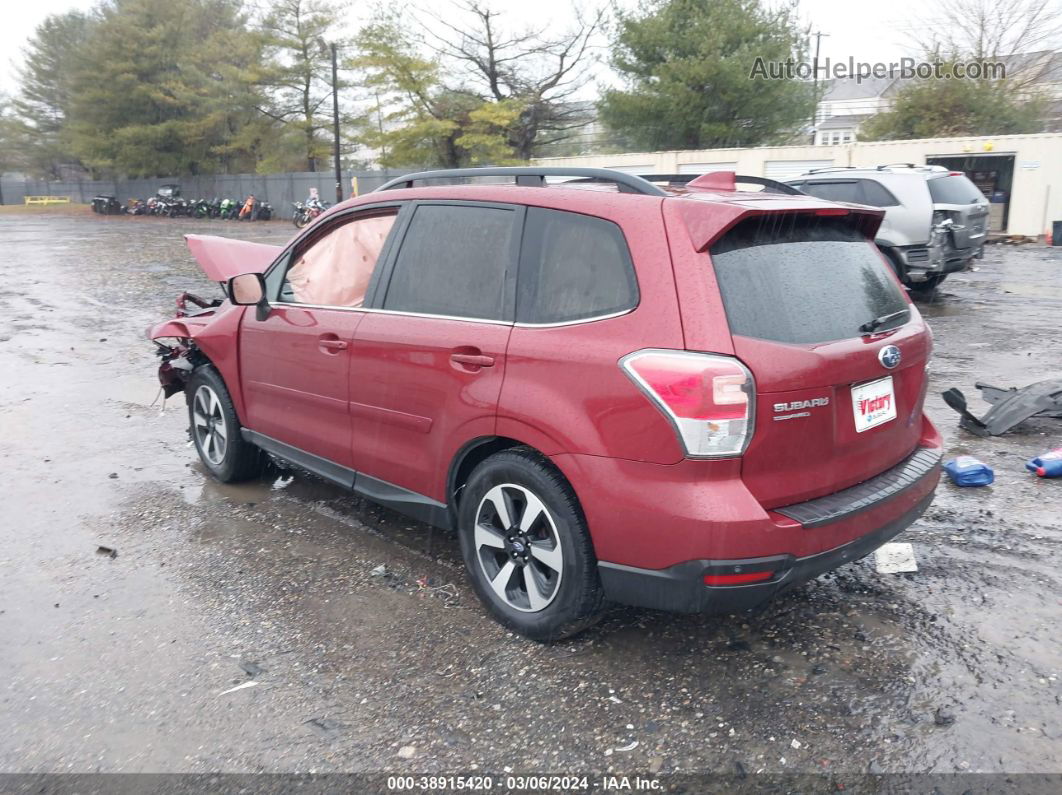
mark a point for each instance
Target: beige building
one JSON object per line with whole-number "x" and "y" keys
{"x": 1020, "y": 174}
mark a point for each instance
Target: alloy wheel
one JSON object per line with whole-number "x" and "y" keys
{"x": 211, "y": 430}
{"x": 518, "y": 548}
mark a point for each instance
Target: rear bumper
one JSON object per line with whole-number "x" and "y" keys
{"x": 681, "y": 588}
{"x": 924, "y": 261}
{"x": 883, "y": 507}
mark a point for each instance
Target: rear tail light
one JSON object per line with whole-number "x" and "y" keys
{"x": 708, "y": 398}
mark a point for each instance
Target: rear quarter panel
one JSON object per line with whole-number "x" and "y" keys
{"x": 564, "y": 391}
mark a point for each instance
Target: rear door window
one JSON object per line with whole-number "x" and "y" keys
{"x": 954, "y": 189}
{"x": 803, "y": 279}
{"x": 573, "y": 267}
{"x": 856, "y": 191}
{"x": 454, "y": 260}
{"x": 846, "y": 191}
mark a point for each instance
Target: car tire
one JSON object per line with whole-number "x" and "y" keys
{"x": 215, "y": 429}
{"x": 929, "y": 285}
{"x": 545, "y": 547}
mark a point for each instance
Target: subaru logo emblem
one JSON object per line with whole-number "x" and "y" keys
{"x": 889, "y": 356}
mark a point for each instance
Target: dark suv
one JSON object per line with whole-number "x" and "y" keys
{"x": 613, "y": 389}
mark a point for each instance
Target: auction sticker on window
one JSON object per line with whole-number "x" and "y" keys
{"x": 873, "y": 404}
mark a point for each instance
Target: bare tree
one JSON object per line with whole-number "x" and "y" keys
{"x": 989, "y": 29}
{"x": 538, "y": 73}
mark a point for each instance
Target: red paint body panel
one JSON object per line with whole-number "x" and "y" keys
{"x": 221, "y": 258}
{"x": 796, "y": 460}
{"x": 294, "y": 388}
{"x": 653, "y": 516}
{"x": 215, "y": 334}
{"x": 413, "y": 407}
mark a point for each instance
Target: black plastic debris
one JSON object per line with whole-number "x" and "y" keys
{"x": 1010, "y": 407}
{"x": 110, "y": 552}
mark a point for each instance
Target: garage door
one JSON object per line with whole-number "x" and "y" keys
{"x": 783, "y": 169}
{"x": 705, "y": 168}
{"x": 636, "y": 170}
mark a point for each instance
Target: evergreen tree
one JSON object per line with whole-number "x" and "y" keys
{"x": 689, "y": 67}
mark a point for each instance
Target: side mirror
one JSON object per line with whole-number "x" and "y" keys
{"x": 247, "y": 289}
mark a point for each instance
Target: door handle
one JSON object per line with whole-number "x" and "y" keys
{"x": 335, "y": 346}
{"x": 472, "y": 359}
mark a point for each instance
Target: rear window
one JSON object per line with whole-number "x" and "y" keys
{"x": 573, "y": 267}
{"x": 954, "y": 189}
{"x": 803, "y": 279}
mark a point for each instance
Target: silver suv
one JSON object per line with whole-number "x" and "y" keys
{"x": 936, "y": 220}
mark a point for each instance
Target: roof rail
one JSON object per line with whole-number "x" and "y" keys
{"x": 890, "y": 165}
{"x": 829, "y": 168}
{"x": 772, "y": 185}
{"x": 533, "y": 176}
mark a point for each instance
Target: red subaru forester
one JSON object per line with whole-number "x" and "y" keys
{"x": 657, "y": 391}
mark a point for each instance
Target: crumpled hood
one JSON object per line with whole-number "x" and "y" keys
{"x": 221, "y": 258}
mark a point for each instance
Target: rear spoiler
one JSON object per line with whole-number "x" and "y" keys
{"x": 706, "y": 225}
{"x": 722, "y": 181}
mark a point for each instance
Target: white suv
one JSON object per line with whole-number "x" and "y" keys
{"x": 935, "y": 221}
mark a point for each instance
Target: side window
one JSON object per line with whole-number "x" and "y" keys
{"x": 573, "y": 267}
{"x": 877, "y": 195}
{"x": 336, "y": 268}
{"x": 835, "y": 191}
{"x": 453, "y": 261}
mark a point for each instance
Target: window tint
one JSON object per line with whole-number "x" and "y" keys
{"x": 835, "y": 191}
{"x": 877, "y": 195}
{"x": 857, "y": 191}
{"x": 573, "y": 267}
{"x": 453, "y": 261}
{"x": 955, "y": 189}
{"x": 801, "y": 279}
{"x": 336, "y": 268}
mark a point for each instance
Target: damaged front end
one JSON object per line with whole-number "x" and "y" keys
{"x": 204, "y": 331}
{"x": 182, "y": 356}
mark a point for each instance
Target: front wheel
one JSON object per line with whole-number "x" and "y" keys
{"x": 527, "y": 549}
{"x": 216, "y": 429}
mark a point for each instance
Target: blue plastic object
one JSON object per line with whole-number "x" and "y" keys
{"x": 1048, "y": 465}
{"x": 968, "y": 471}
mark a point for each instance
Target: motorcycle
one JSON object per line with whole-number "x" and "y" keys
{"x": 200, "y": 208}
{"x": 263, "y": 211}
{"x": 228, "y": 209}
{"x": 305, "y": 212}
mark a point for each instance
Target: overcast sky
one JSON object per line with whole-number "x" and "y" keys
{"x": 867, "y": 31}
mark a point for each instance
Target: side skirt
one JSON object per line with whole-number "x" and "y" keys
{"x": 409, "y": 503}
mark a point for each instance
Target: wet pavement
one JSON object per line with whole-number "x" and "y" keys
{"x": 133, "y": 663}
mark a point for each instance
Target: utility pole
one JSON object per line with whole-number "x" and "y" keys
{"x": 335, "y": 124}
{"x": 815, "y": 89}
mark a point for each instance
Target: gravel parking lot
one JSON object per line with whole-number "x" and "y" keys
{"x": 135, "y": 663}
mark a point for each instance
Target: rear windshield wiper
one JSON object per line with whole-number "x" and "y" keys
{"x": 873, "y": 325}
